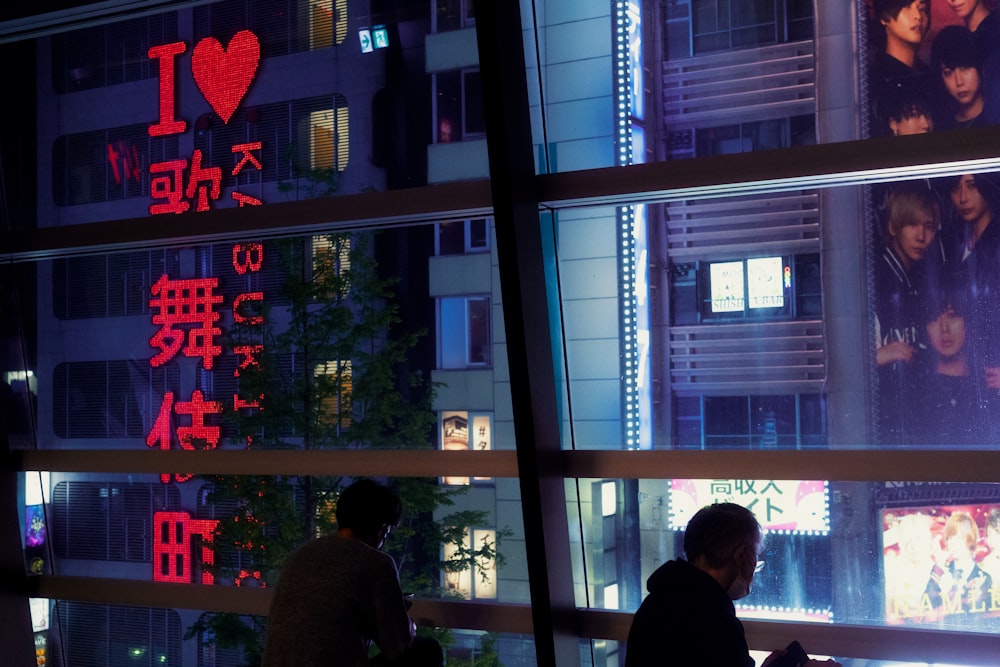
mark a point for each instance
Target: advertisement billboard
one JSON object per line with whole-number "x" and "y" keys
{"x": 941, "y": 564}
{"x": 934, "y": 263}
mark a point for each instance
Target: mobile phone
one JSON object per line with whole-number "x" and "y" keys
{"x": 794, "y": 657}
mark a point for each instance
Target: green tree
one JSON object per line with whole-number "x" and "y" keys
{"x": 327, "y": 375}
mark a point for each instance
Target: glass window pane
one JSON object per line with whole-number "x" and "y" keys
{"x": 864, "y": 314}
{"x": 454, "y": 333}
{"x": 925, "y": 551}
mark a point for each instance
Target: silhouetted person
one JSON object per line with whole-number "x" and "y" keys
{"x": 339, "y": 593}
{"x": 689, "y": 618}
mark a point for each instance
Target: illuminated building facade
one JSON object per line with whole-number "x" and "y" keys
{"x": 718, "y": 319}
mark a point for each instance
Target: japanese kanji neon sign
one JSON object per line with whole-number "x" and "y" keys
{"x": 173, "y": 548}
{"x": 125, "y": 162}
{"x": 187, "y": 320}
{"x": 223, "y": 75}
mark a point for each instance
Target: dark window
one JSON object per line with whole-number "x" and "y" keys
{"x": 109, "y": 399}
{"x": 212, "y": 654}
{"x": 750, "y": 422}
{"x": 454, "y": 14}
{"x": 722, "y": 25}
{"x": 808, "y": 287}
{"x": 273, "y": 21}
{"x": 756, "y": 136}
{"x": 109, "y": 54}
{"x": 95, "y": 635}
{"x": 106, "y": 165}
{"x": 458, "y": 106}
{"x": 457, "y": 237}
{"x": 107, "y": 520}
{"x": 108, "y": 285}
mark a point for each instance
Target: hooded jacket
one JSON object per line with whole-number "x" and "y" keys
{"x": 687, "y": 620}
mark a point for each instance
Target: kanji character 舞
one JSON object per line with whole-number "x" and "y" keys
{"x": 191, "y": 303}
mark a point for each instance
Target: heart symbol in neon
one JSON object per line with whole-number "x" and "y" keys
{"x": 224, "y": 74}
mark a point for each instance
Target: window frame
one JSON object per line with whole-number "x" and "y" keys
{"x": 448, "y": 335}
{"x": 468, "y": 248}
{"x": 848, "y": 163}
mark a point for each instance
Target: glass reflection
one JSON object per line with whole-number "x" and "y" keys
{"x": 919, "y": 555}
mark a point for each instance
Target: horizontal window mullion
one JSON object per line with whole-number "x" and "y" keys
{"x": 841, "y": 465}
{"x": 311, "y": 216}
{"x": 842, "y": 163}
{"x": 391, "y": 463}
{"x": 840, "y": 640}
{"x": 496, "y": 617}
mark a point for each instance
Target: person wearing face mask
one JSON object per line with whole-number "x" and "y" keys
{"x": 688, "y": 617}
{"x": 339, "y": 593}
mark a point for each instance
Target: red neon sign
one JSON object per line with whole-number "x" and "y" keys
{"x": 166, "y": 54}
{"x": 161, "y": 434}
{"x": 185, "y": 302}
{"x": 185, "y": 312}
{"x": 124, "y": 161}
{"x": 173, "y": 549}
{"x": 223, "y": 75}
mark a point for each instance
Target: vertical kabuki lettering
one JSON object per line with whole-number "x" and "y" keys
{"x": 239, "y": 317}
{"x": 239, "y": 403}
{"x": 247, "y": 257}
{"x": 249, "y": 354}
{"x": 166, "y": 54}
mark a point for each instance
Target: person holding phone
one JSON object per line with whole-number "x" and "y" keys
{"x": 689, "y": 618}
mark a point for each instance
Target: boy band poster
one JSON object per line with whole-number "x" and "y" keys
{"x": 942, "y": 565}
{"x": 931, "y": 66}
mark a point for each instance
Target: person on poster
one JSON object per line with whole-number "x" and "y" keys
{"x": 338, "y": 594}
{"x": 689, "y": 618}
{"x": 972, "y": 254}
{"x": 961, "y": 587}
{"x": 897, "y": 69}
{"x": 910, "y": 112}
{"x": 950, "y": 405}
{"x": 956, "y": 64}
{"x": 983, "y": 23}
{"x": 908, "y": 565}
{"x": 901, "y": 279}
{"x": 990, "y": 564}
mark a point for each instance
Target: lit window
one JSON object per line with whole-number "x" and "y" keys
{"x": 329, "y": 146}
{"x": 471, "y": 572}
{"x": 757, "y": 287}
{"x": 333, "y": 384}
{"x": 331, "y": 261}
{"x": 327, "y": 23}
{"x": 464, "y": 332}
{"x": 456, "y": 435}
